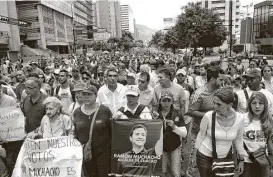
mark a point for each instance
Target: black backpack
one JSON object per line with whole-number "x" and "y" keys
{"x": 139, "y": 110}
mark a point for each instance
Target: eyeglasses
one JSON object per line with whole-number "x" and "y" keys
{"x": 100, "y": 74}
{"x": 29, "y": 88}
{"x": 141, "y": 81}
{"x": 112, "y": 75}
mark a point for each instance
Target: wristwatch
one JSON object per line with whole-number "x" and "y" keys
{"x": 241, "y": 158}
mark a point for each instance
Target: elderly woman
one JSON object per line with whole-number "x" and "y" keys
{"x": 54, "y": 123}
{"x": 229, "y": 128}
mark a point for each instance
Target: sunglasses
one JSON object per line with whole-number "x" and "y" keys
{"x": 85, "y": 78}
{"x": 166, "y": 100}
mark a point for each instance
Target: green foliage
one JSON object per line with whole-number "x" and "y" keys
{"x": 195, "y": 27}
{"x": 238, "y": 48}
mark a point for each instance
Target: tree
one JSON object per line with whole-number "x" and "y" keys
{"x": 170, "y": 40}
{"x": 238, "y": 48}
{"x": 157, "y": 39}
{"x": 139, "y": 43}
{"x": 200, "y": 27}
{"x": 126, "y": 41}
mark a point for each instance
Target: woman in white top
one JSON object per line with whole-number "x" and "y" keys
{"x": 54, "y": 123}
{"x": 258, "y": 126}
{"x": 228, "y": 129}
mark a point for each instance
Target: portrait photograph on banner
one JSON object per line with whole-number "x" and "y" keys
{"x": 137, "y": 147}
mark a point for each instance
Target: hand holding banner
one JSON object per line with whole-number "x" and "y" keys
{"x": 60, "y": 156}
{"x": 12, "y": 124}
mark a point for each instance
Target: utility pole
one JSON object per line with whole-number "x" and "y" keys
{"x": 74, "y": 36}
{"x": 230, "y": 26}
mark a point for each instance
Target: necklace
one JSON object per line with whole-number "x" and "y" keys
{"x": 226, "y": 129}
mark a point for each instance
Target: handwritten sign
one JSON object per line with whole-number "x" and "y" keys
{"x": 55, "y": 157}
{"x": 12, "y": 124}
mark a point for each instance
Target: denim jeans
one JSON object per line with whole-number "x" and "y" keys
{"x": 174, "y": 159}
{"x": 253, "y": 170}
{"x": 204, "y": 164}
{"x": 192, "y": 170}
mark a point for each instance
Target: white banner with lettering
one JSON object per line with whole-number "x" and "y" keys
{"x": 12, "y": 124}
{"x": 54, "y": 157}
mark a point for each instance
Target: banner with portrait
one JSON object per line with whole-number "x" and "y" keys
{"x": 137, "y": 147}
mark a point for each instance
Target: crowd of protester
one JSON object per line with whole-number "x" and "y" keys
{"x": 59, "y": 97}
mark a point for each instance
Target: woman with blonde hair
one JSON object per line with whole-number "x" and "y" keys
{"x": 258, "y": 125}
{"x": 55, "y": 123}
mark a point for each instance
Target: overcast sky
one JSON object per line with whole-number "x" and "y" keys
{"x": 152, "y": 12}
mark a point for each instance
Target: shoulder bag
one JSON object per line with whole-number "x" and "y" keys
{"x": 223, "y": 167}
{"x": 87, "y": 148}
{"x": 258, "y": 157}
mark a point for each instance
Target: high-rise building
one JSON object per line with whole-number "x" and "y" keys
{"x": 108, "y": 16}
{"x": 51, "y": 24}
{"x": 262, "y": 27}
{"x": 127, "y": 19}
{"x": 9, "y": 34}
{"x": 83, "y": 18}
{"x": 224, "y": 9}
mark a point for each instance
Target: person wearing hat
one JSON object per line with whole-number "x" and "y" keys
{"x": 253, "y": 82}
{"x": 99, "y": 165}
{"x": 133, "y": 110}
{"x": 100, "y": 78}
{"x": 35, "y": 68}
{"x": 174, "y": 130}
{"x": 78, "y": 89}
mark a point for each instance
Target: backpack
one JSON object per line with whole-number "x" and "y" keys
{"x": 71, "y": 91}
{"x": 139, "y": 110}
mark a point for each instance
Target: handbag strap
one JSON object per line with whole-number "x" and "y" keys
{"x": 93, "y": 121}
{"x": 214, "y": 153}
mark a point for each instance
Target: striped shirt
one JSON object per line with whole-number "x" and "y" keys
{"x": 201, "y": 100}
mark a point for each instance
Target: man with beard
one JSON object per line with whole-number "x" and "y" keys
{"x": 201, "y": 102}
{"x": 64, "y": 91}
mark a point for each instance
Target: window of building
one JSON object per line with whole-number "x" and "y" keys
{"x": 237, "y": 13}
{"x": 237, "y": 20}
{"x": 206, "y": 4}
{"x": 236, "y": 26}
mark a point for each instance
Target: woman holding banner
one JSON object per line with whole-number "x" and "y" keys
{"x": 174, "y": 130}
{"x": 99, "y": 166}
{"x": 54, "y": 123}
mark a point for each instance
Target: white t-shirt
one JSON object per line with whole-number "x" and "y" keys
{"x": 66, "y": 97}
{"x": 254, "y": 137}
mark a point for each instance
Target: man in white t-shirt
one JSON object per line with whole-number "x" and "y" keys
{"x": 64, "y": 91}
{"x": 253, "y": 81}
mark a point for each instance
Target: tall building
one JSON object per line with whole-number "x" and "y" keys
{"x": 127, "y": 19}
{"x": 224, "y": 9}
{"x": 246, "y": 31}
{"x": 83, "y": 18}
{"x": 9, "y": 34}
{"x": 262, "y": 27}
{"x": 51, "y": 24}
{"x": 108, "y": 16}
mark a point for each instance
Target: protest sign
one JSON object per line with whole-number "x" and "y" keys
{"x": 136, "y": 148}
{"x": 54, "y": 157}
{"x": 12, "y": 124}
